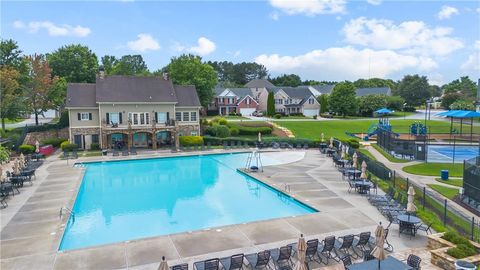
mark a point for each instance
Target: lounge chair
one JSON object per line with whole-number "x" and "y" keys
{"x": 327, "y": 247}
{"x": 225, "y": 145}
{"x": 174, "y": 150}
{"x": 183, "y": 266}
{"x": 311, "y": 254}
{"x": 209, "y": 146}
{"x": 259, "y": 260}
{"x": 362, "y": 243}
{"x": 195, "y": 147}
{"x": 282, "y": 256}
{"x": 125, "y": 152}
{"x": 347, "y": 261}
{"x": 203, "y": 147}
{"x": 367, "y": 256}
{"x": 305, "y": 146}
{"x": 211, "y": 264}
{"x": 182, "y": 148}
{"x": 187, "y": 148}
{"x": 133, "y": 151}
{"x": 245, "y": 145}
{"x": 239, "y": 144}
{"x": 233, "y": 262}
{"x": 344, "y": 247}
{"x": 115, "y": 153}
{"x": 74, "y": 154}
{"x": 65, "y": 154}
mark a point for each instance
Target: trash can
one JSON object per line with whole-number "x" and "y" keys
{"x": 444, "y": 175}
{"x": 464, "y": 265}
{"x": 104, "y": 152}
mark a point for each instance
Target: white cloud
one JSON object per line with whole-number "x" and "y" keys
{"x": 374, "y": 2}
{"x": 144, "y": 42}
{"x": 478, "y": 10}
{"x": 446, "y": 12}
{"x": 53, "y": 29}
{"x": 413, "y": 37}
{"x": 274, "y": 16}
{"x": 204, "y": 47}
{"x": 473, "y": 61}
{"x": 345, "y": 63}
{"x": 310, "y": 7}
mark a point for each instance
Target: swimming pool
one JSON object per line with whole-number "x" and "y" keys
{"x": 126, "y": 200}
{"x": 445, "y": 154}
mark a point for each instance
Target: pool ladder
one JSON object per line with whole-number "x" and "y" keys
{"x": 72, "y": 214}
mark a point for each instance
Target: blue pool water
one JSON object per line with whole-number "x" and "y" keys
{"x": 444, "y": 153}
{"x": 125, "y": 200}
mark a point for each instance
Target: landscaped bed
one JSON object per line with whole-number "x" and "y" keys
{"x": 446, "y": 248}
{"x": 434, "y": 169}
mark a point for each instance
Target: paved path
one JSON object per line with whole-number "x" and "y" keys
{"x": 420, "y": 180}
{"x": 29, "y": 122}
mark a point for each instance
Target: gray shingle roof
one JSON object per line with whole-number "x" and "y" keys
{"x": 135, "y": 89}
{"x": 259, "y": 83}
{"x": 187, "y": 95}
{"x": 323, "y": 88}
{"x": 81, "y": 95}
{"x": 374, "y": 91}
{"x": 297, "y": 92}
{"x": 241, "y": 92}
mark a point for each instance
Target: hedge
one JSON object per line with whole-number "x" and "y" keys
{"x": 191, "y": 140}
{"x": 95, "y": 146}
{"x": 245, "y": 130}
{"x": 267, "y": 141}
{"x": 26, "y": 148}
{"x": 218, "y": 131}
{"x": 55, "y": 142}
{"x": 67, "y": 146}
{"x": 355, "y": 144}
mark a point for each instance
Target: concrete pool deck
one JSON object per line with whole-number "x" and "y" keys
{"x": 31, "y": 237}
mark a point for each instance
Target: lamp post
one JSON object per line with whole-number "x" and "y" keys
{"x": 404, "y": 112}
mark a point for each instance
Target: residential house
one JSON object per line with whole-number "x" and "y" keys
{"x": 321, "y": 89}
{"x": 374, "y": 91}
{"x": 295, "y": 100}
{"x": 132, "y": 111}
{"x": 235, "y": 100}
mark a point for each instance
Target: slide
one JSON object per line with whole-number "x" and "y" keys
{"x": 372, "y": 130}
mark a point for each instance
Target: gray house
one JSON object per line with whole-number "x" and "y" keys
{"x": 374, "y": 91}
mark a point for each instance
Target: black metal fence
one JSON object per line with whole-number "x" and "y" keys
{"x": 471, "y": 178}
{"x": 391, "y": 144}
{"x": 430, "y": 202}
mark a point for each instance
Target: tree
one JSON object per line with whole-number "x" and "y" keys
{"x": 323, "y": 100}
{"x": 463, "y": 85}
{"x": 343, "y": 100}
{"x": 10, "y": 94}
{"x": 57, "y": 93}
{"x": 240, "y": 73}
{"x": 292, "y": 80}
{"x": 40, "y": 84}
{"x": 462, "y": 105}
{"x": 312, "y": 82}
{"x": 449, "y": 98}
{"x": 270, "y": 104}
{"x": 189, "y": 69}
{"x": 10, "y": 54}
{"x": 414, "y": 89}
{"x": 130, "y": 65}
{"x": 395, "y": 103}
{"x": 435, "y": 90}
{"x": 108, "y": 62}
{"x": 375, "y": 82}
{"x": 369, "y": 103}
{"x": 75, "y": 63}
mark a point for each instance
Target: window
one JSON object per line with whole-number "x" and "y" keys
{"x": 193, "y": 116}
{"x": 161, "y": 117}
{"x": 114, "y": 118}
{"x": 94, "y": 138}
{"x": 139, "y": 118}
{"x": 178, "y": 116}
{"x": 194, "y": 133}
{"x": 186, "y": 117}
{"x": 311, "y": 101}
{"x": 85, "y": 116}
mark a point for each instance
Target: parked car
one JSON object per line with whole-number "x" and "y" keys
{"x": 327, "y": 115}
{"x": 257, "y": 114}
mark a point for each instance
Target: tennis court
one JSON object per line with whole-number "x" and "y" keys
{"x": 447, "y": 153}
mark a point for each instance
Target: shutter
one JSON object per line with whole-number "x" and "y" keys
{"x": 108, "y": 118}
{"x": 168, "y": 116}
{"x": 89, "y": 116}
{"x": 79, "y": 116}
{"x": 120, "y": 117}
{"x": 156, "y": 117}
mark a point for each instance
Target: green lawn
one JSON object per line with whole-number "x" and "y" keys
{"x": 388, "y": 156}
{"x": 458, "y": 182}
{"x": 337, "y": 128}
{"x": 433, "y": 169}
{"x": 367, "y": 153}
{"x": 228, "y": 117}
{"x": 401, "y": 114}
{"x": 13, "y": 121}
{"x": 445, "y": 191}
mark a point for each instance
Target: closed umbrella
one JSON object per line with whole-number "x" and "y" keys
{"x": 343, "y": 152}
{"x": 331, "y": 142}
{"x": 301, "y": 248}
{"x": 411, "y": 196}
{"x": 259, "y": 137}
{"x": 22, "y": 161}
{"x": 1, "y": 174}
{"x": 355, "y": 160}
{"x": 16, "y": 169}
{"x": 163, "y": 265}
{"x": 364, "y": 170}
{"x": 322, "y": 137}
{"x": 37, "y": 147}
{"x": 378, "y": 251}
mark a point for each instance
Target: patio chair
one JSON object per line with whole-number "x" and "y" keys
{"x": 203, "y": 147}
{"x": 282, "y": 256}
{"x": 209, "y": 146}
{"x": 6, "y": 188}
{"x": 347, "y": 261}
{"x": 414, "y": 261}
{"x": 225, "y": 145}
{"x": 74, "y": 154}
{"x": 233, "y": 262}
{"x": 305, "y": 146}
{"x": 239, "y": 144}
{"x": 133, "y": 151}
{"x": 367, "y": 256}
{"x": 362, "y": 243}
{"x": 187, "y": 148}
{"x": 326, "y": 248}
{"x": 389, "y": 246}
{"x": 245, "y": 145}
{"x": 195, "y": 147}
{"x": 174, "y": 149}
{"x": 211, "y": 264}
{"x": 259, "y": 260}
{"x": 311, "y": 254}
{"x": 115, "y": 153}
{"x": 424, "y": 227}
{"x": 351, "y": 186}
{"x": 183, "y": 266}
{"x": 125, "y": 152}
{"x": 345, "y": 246}
{"x": 65, "y": 154}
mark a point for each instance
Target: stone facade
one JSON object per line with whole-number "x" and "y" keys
{"x": 32, "y": 137}
{"x": 85, "y": 131}
{"x": 438, "y": 248}
{"x": 186, "y": 130}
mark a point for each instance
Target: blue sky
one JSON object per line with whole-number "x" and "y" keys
{"x": 317, "y": 39}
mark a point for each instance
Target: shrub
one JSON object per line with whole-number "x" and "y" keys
{"x": 409, "y": 109}
{"x": 218, "y": 131}
{"x": 55, "y": 142}
{"x": 315, "y": 117}
{"x": 4, "y": 154}
{"x": 351, "y": 142}
{"x": 234, "y": 131}
{"x": 67, "y": 146}
{"x": 277, "y": 116}
{"x": 26, "y": 148}
{"x": 191, "y": 140}
{"x": 462, "y": 251}
{"x": 395, "y": 103}
{"x": 222, "y": 121}
{"x": 94, "y": 146}
{"x": 232, "y": 114}
{"x": 252, "y": 130}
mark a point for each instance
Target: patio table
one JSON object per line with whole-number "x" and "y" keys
{"x": 330, "y": 152}
{"x": 363, "y": 186}
{"x": 407, "y": 223}
{"x": 353, "y": 172}
{"x": 390, "y": 263}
